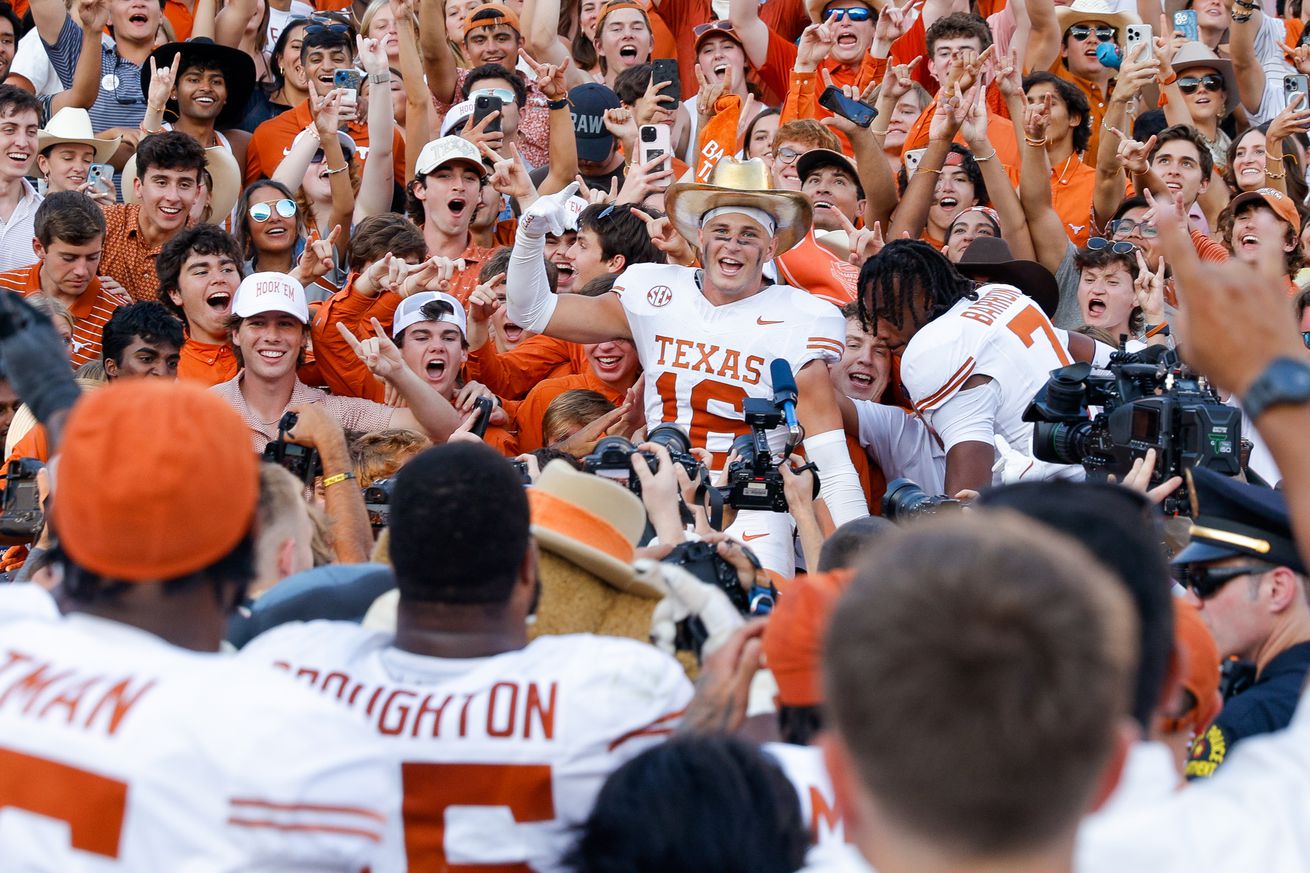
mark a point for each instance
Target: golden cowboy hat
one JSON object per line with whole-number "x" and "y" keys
{"x": 739, "y": 183}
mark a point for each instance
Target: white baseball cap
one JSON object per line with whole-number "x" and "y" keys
{"x": 462, "y": 111}
{"x": 270, "y": 292}
{"x": 410, "y": 312}
{"x": 446, "y": 150}
{"x": 573, "y": 211}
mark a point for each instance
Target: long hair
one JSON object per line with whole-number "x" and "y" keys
{"x": 890, "y": 281}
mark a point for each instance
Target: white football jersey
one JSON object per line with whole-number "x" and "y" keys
{"x": 121, "y": 752}
{"x": 501, "y": 757}
{"x": 807, "y": 773}
{"x": 1003, "y": 334}
{"x": 701, "y": 361}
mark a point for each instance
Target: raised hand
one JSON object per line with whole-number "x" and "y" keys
{"x": 1133, "y": 155}
{"x": 710, "y": 91}
{"x": 161, "y": 81}
{"x": 815, "y": 45}
{"x": 596, "y": 195}
{"x": 1009, "y": 78}
{"x": 949, "y": 114}
{"x": 653, "y": 107}
{"x": 319, "y": 257}
{"x": 547, "y": 214}
{"x": 897, "y": 81}
{"x": 1037, "y": 119}
{"x": 480, "y": 136}
{"x": 974, "y": 128}
{"x": 893, "y": 23}
{"x": 509, "y": 175}
{"x": 377, "y": 352}
{"x": 548, "y": 77}
{"x": 1295, "y": 118}
{"x": 372, "y": 56}
{"x": 1148, "y": 289}
{"x": 665, "y": 237}
{"x": 326, "y": 112}
{"x": 645, "y": 179}
{"x": 94, "y": 15}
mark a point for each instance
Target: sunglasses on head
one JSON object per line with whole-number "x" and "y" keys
{"x": 262, "y": 212}
{"x": 1097, "y": 243}
{"x": 339, "y": 29}
{"x": 1081, "y": 32}
{"x": 712, "y": 25}
{"x": 1205, "y": 582}
{"x": 1126, "y": 227}
{"x": 852, "y": 13}
{"x": 506, "y": 95}
{"x": 1211, "y": 81}
{"x": 608, "y": 210}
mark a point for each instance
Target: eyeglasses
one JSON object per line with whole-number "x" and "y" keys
{"x": 852, "y": 13}
{"x": 1081, "y": 32}
{"x": 506, "y": 95}
{"x": 1097, "y": 243}
{"x": 1212, "y": 82}
{"x": 318, "y": 156}
{"x": 1205, "y": 582}
{"x": 262, "y": 212}
{"x": 1127, "y": 227}
{"x": 786, "y": 155}
{"x": 724, "y": 25}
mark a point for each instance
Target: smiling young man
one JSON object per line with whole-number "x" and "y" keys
{"x": 447, "y": 186}
{"x": 706, "y": 337}
{"x": 69, "y": 233}
{"x": 141, "y": 339}
{"x": 269, "y": 326}
{"x": 199, "y": 271}
{"x": 831, "y": 182}
{"x": 614, "y": 368}
{"x": 1249, "y": 245}
{"x": 20, "y": 123}
{"x": 167, "y": 185}
{"x": 325, "y": 50}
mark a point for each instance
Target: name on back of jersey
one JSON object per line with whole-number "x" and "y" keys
{"x": 38, "y": 689}
{"x": 992, "y": 305}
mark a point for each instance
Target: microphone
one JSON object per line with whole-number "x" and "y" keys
{"x": 784, "y": 394}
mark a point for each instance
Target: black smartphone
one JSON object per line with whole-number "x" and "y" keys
{"x": 483, "y": 406}
{"x": 484, "y": 105}
{"x": 854, "y": 111}
{"x": 666, "y": 70}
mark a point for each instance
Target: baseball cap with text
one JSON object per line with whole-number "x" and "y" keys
{"x": 1276, "y": 200}
{"x": 446, "y": 150}
{"x": 589, "y": 104}
{"x": 270, "y": 292}
{"x": 410, "y": 312}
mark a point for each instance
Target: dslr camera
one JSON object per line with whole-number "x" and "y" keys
{"x": 612, "y": 457}
{"x": 904, "y": 500}
{"x": 300, "y": 461}
{"x": 22, "y": 516}
{"x": 1146, "y": 400}
{"x": 377, "y": 503}
{"x": 702, "y": 560}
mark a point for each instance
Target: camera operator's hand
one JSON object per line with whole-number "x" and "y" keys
{"x": 659, "y": 492}
{"x": 735, "y": 553}
{"x": 534, "y": 468}
{"x": 352, "y": 537}
{"x": 798, "y": 488}
{"x": 1139, "y": 479}
{"x": 723, "y": 689}
{"x": 36, "y": 360}
{"x": 689, "y": 596}
{"x": 318, "y": 430}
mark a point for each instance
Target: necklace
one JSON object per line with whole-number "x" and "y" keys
{"x": 1064, "y": 173}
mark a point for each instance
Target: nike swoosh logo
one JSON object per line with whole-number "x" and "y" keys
{"x": 748, "y": 537}
{"x": 762, "y": 321}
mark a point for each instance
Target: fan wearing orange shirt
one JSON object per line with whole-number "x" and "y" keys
{"x": 831, "y": 182}
{"x": 615, "y": 368}
{"x": 1067, "y": 135}
{"x": 199, "y": 271}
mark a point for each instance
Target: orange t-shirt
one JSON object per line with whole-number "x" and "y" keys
{"x": 272, "y": 141}
{"x": 1072, "y": 186}
{"x": 785, "y": 17}
{"x": 533, "y": 407}
{"x": 182, "y": 19}
{"x": 513, "y": 374}
{"x": 207, "y": 363}
{"x": 813, "y": 268}
{"x": 339, "y": 368}
{"x": 1096, "y": 102}
{"x": 91, "y": 310}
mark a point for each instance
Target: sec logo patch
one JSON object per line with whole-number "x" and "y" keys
{"x": 660, "y": 295}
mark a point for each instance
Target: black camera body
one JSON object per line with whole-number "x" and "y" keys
{"x": 753, "y": 479}
{"x": 1148, "y": 401}
{"x": 22, "y": 516}
{"x": 612, "y": 456}
{"x": 300, "y": 461}
{"x": 702, "y": 560}
{"x": 377, "y": 502}
{"x": 904, "y": 500}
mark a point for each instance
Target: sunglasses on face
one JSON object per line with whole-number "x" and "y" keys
{"x": 262, "y": 212}
{"x": 506, "y": 95}
{"x": 854, "y": 13}
{"x": 786, "y": 155}
{"x": 1211, "y": 81}
{"x": 1097, "y": 243}
{"x": 1205, "y": 582}
{"x": 1081, "y": 32}
{"x": 319, "y": 157}
{"x": 1127, "y": 227}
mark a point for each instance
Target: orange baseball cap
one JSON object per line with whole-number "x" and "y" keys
{"x": 490, "y": 15}
{"x": 1276, "y": 200}
{"x": 155, "y": 480}
{"x": 1200, "y": 665}
{"x": 793, "y": 638}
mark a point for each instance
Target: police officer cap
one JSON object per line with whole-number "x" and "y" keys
{"x": 1236, "y": 519}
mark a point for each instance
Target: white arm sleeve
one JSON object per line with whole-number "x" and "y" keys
{"x": 839, "y": 484}
{"x": 969, "y": 416}
{"x": 529, "y": 301}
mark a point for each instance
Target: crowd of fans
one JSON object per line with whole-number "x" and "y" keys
{"x": 445, "y": 434}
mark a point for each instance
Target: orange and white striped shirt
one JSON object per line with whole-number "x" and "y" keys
{"x": 90, "y": 311}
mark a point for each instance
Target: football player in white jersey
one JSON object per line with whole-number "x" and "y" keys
{"x": 501, "y": 743}
{"x": 127, "y": 742}
{"x": 973, "y": 357}
{"x": 707, "y": 335}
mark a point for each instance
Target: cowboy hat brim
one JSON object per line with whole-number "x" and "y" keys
{"x": 1225, "y": 68}
{"x": 238, "y": 75}
{"x": 104, "y": 148}
{"x": 1029, "y": 277}
{"x": 223, "y": 171}
{"x": 609, "y": 570}
{"x": 686, "y": 203}
{"x": 1067, "y": 16}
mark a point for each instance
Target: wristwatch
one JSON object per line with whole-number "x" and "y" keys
{"x": 1286, "y": 380}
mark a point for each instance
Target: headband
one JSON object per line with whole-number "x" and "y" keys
{"x": 767, "y": 221}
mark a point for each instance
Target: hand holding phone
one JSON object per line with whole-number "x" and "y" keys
{"x": 348, "y": 82}
{"x": 835, "y": 101}
{"x": 1185, "y": 23}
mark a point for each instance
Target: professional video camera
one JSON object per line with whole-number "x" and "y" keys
{"x": 753, "y": 479}
{"x": 612, "y": 456}
{"x": 300, "y": 461}
{"x": 1147, "y": 400}
{"x": 904, "y": 500}
{"x": 22, "y": 517}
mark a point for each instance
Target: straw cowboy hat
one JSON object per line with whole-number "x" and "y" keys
{"x": 223, "y": 192}
{"x": 1094, "y": 10}
{"x": 74, "y": 125}
{"x": 739, "y": 183}
{"x": 1196, "y": 54}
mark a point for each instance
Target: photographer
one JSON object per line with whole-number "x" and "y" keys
{"x": 316, "y": 428}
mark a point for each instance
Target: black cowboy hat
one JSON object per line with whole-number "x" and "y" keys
{"x": 989, "y": 259}
{"x": 238, "y": 73}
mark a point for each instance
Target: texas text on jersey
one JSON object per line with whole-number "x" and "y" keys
{"x": 500, "y": 757}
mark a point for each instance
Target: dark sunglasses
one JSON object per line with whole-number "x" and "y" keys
{"x": 1126, "y": 227}
{"x": 853, "y": 13}
{"x": 1305, "y": 338}
{"x": 724, "y": 25}
{"x": 1097, "y": 243}
{"x": 339, "y": 29}
{"x": 1205, "y": 581}
{"x": 262, "y": 212}
{"x": 1080, "y": 32}
{"x": 1212, "y": 81}
{"x": 319, "y": 156}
